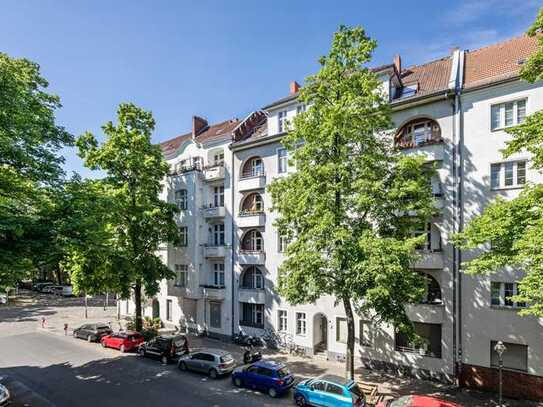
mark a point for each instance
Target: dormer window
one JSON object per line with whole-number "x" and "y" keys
{"x": 418, "y": 132}
{"x": 409, "y": 90}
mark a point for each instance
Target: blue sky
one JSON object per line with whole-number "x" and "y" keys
{"x": 222, "y": 59}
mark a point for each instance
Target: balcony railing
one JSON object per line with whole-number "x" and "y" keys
{"x": 249, "y": 257}
{"x": 214, "y": 172}
{"x": 251, "y": 219}
{"x": 213, "y": 211}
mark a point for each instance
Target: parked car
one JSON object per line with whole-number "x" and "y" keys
{"x": 47, "y": 288}
{"x": 273, "y": 378}
{"x": 329, "y": 390}
{"x": 124, "y": 341}
{"x": 417, "y": 401}
{"x": 92, "y": 332}
{"x": 39, "y": 287}
{"x": 4, "y": 395}
{"x": 167, "y": 348}
{"x": 63, "y": 290}
{"x": 214, "y": 362}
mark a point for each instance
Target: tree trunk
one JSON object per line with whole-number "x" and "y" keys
{"x": 137, "y": 301}
{"x": 349, "y": 360}
{"x": 86, "y": 305}
{"x": 59, "y": 275}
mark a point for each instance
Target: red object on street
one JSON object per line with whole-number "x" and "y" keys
{"x": 417, "y": 401}
{"x": 124, "y": 341}
{"x": 43, "y": 322}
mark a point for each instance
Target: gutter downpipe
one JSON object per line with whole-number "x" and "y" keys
{"x": 232, "y": 241}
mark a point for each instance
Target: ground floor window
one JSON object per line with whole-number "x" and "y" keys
{"x": 282, "y": 320}
{"x": 515, "y": 356}
{"x": 215, "y": 314}
{"x": 301, "y": 326}
{"x": 341, "y": 330}
{"x": 366, "y": 334}
{"x": 252, "y": 315}
{"x": 428, "y": 343}
{"x": 169, "y": 309}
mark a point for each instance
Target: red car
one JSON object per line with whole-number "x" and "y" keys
{"x": 124, "y": 341}
{"x": 417, "y": 401}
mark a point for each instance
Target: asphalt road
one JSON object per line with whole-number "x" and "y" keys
{"x": 43, "y": 369}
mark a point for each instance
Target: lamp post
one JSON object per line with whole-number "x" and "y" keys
{"x": 500, "y": 349}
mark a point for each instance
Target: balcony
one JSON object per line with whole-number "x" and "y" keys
{"x": 247, "y": 257}
{"x": 214, "y": 251}
{"x": 212, "y": 292}
{"x": 214, "y": 172}
{"x": 434, "y": 151}
{"x": 252, "y": 295}
{"x": 427, "y": 313}
{"x": 429, "y": 260}
{"x": 213, "y": 212}
{"x": 248, "y": 219}
{"x": 248, "y": 183}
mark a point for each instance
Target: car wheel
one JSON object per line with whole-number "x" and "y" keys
{"x": 238, "y": 382}
{"x": 213, "y": 374}
{"x": 122, "y": 349}
{"x": 272, "y": 392}
{"x": 89, "y": 338}
{"x": 164, "y": 360}
{"x": 300, "y": 400}
{"x": 141, "y": 352}
{"x": 182, "y": 366}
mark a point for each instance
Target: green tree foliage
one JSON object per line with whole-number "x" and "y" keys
{"x": 511, "y": 232}
{"x": 29, "y": 163}
{"x": 138, "y": 221}
{"x": 350, "y": 206}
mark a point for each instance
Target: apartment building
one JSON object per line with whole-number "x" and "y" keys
{"x": 453, "y": 111}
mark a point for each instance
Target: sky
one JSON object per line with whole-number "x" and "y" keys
{"x": 222, "y": 59}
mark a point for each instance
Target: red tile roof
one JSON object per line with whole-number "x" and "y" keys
{"x": 498, "y": 61}
{"x": 430, "y": 77}
{"x": 212, "y": 132}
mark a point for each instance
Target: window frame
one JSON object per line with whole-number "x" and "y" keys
{"x": 218, "y": 196}
{"x": 498, "y": 179}
{"x": 184, "y": 236}
{"x": 169, "y": 310}
{"x": 338, "y": 331}
{"x": 282, "y": 161}
{"x": 301, "y": 323}
{"x": 503, "y": 301}
{"x": 181, "y": 201}
{"x": 503, "y": 111}
{"x": 365, "y": 323}
{"x": 282, "y": 121}
{"x": 218, "y": 274}
{"x": 282, "y": 319}
{"x": 181, "y": 270}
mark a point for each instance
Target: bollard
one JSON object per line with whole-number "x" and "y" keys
{"x": 65, "y": 329}
{"x": 43, "y": 322}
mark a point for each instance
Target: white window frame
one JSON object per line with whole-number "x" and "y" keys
{"x": 501, "y": 165}
{"x": 282, "y": 121}
{"x": 502, "y": 295}
{"x": 301, "y": 108}
{"x": 218, "y": 274}
{"x": 282, "y": 243}
{"x": 181, "y": 199}
{"x": 282, "y": 320}
{"x": 501, "y": 106}
{"x": 338, "y": 318}
{"x": 181, "y": 275}
{"x": 301, "y": 323}
{"x": 219, "y": 236}
{"x": 184, "y": 236}
{"x": 169, "y": 310}
{"x": 218, "y": 158}
{"x": 282, "y": 161}
{"x": 218, "y": 196}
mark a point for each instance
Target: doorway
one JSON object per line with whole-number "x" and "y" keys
{"x": 156, "y": 308}
{"x": 320, "y": 332}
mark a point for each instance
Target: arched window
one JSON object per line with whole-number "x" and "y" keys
{"x": 252, "y": 241}
{"x": 254, "y": 167}
{"x": 418, "y": 132}
{"x": 253, "y": 203}
{"x": 252, "y": 278}
{"x": 433, "y": 291}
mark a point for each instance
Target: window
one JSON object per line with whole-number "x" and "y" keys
{"x": 252, "y": 241}
{"x": 433, "y": 291}
{"x": 282, "y": 160}
{"x": 366, "y": 334}
{"x": 282, "y": 320}
{"x": 181, "y": 199}
{"x": 218, "y": 234}
{"x": 252, "y": 279}
{"x": 218, "y": 158}
{"x": 282, "y": 121}
{"x": 301, "y": 108}
{"x": 334, "y": 389}
{"x": 515, "y": 356}
{"x": 252, "y": 315}
{"x": 181, "y": 275}
{"x": 341, "y": 330}
{"x": 218, "y": 196}
{"x": 500, "y": 294}
{"x": 300, "y": 323}
{"x": 507, "y": 114}
{"x": 252, "y": 204}
{"x": 215, "y": 314}
{"x": 426, "y": 230}
{"x": 183, "y": 236}
{"x": 282, "y": 243}
{"x": 169, "y": 306}
{"x": 254, "y": 167}
{"x": 218, "y": 274}
{"x": 507, "y": 174}
{"x": 429, "y": 343}
{"x": 418, "y": 132}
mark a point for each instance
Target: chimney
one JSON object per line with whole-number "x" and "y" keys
{"x": 198, "y": 124}
{"x": 398, "y": 63}
{"x": 294, "y": 87}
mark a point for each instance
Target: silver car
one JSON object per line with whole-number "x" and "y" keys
{"x": 214, "y": 362}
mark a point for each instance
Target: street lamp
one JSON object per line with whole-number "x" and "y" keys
{"x": 500, "y": 349}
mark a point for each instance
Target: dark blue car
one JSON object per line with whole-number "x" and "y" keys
{"x": 273, "y": 378}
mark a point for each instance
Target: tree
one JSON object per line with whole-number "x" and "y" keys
{"x": 511, "y": 232}
{"x": 349, "y": 208}
{"x": 139, "y": 220}
{"x": 29, "y": 163}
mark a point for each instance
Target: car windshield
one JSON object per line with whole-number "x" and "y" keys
{"x": 227, "y": 358}
{"x": 283, "y": 372}
{"x": 356, "y": 390}
{"x": 102, "y": 328}
{"x": 401, "y": 402}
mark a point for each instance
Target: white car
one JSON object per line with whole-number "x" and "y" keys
{"x": 4, "y": 395}
{"x": 3, "y": 299}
